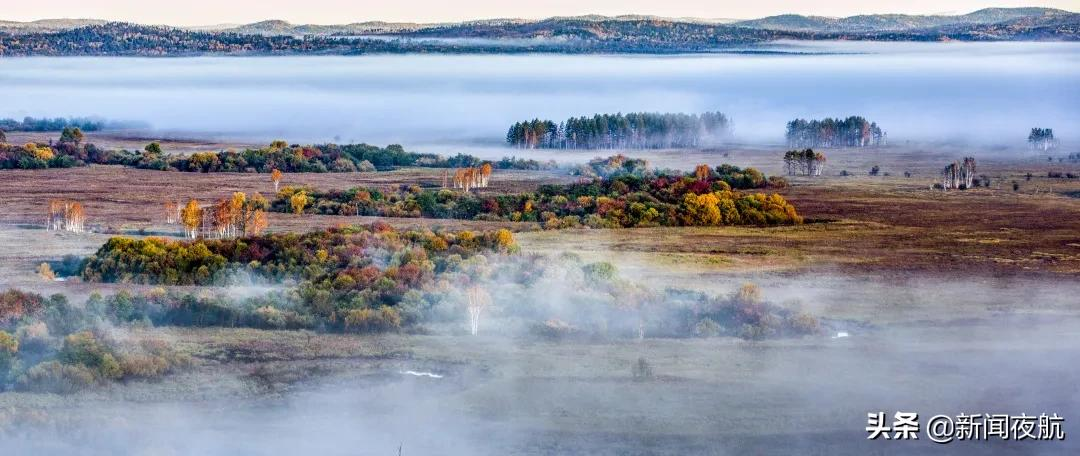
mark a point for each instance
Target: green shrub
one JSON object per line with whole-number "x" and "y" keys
{"x": 84, "y": 348}
{"x": 706, "y": 327}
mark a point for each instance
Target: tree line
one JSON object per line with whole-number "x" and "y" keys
{"x": 854, "y": 131}
{"x": 377, "y": 278}
{"x": 60, "y": 123}
{"x": 612, "y": 35}
{"x": 706, "y": 197}
{"x": 71, "y": 150}
{"x": 636, "y": 130}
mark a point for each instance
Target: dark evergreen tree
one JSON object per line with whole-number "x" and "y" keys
{"x": 1042, "y": 138}
{"x": 641, "y": 130}
{"x": 854, "y": 131}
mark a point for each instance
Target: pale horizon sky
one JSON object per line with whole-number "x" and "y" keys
{"x": 210, "y": 12}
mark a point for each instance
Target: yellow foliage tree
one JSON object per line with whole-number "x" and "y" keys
{"x": 46, "y": 272}
{"x": 256, "y": 223}
{"x": 191, "y": 217}
{"x": 297, "y": 202}
{"x": 504, "y": 238}
{"x": 701, "y": 210}
{"x": 43, "y": 153}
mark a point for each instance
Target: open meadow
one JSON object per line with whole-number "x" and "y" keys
{"x": 630, "y": 235}
{"x": 943, "y": 301}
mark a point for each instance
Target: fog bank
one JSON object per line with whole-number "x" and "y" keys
{"x": 985, "y": 92}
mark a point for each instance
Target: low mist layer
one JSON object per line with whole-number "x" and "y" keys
{"x": 985, "y": 92}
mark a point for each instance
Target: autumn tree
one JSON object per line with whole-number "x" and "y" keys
{"x": 469, "y": 178}
{"x": 55, "y": 215}
{"x": 297, "y": 202}
{"x": 221, "y": 216}
{"x": 65, "y": 215}
{"x": 191, "y": 215}
{"x": 172, "y": 212}
{"x": 43, "y": 153}
{"x": 237, "y": 215}
{"x": 46, "y": 272}
{"x": 9, "y": 347}
{"x": 459, "y": 179}
{"x": 485, "y": 174}
{"x": 504, "y": 239}
{"x": 275, "y": 177}
{"x": 702, "y": 172}
{"x": 15, "y": 304}
{"x": 255, "y": 222}
{"x": 71, "y": 135}
{"x": 237, "y": 204}
{"x": 153, "y": 148}
{"x": 249, "y": 214}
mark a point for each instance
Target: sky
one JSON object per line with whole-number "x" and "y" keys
{"x": 209, "y": 12}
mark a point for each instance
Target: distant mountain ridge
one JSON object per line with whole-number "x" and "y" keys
{"x": 784, "y": 22}
{"x": 46, "y": 25}
{"x": 585, "y": 34}
{"x": 897, "y": 22}
{"x": 279, "y": 27}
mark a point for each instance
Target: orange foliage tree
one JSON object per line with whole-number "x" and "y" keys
{"x": 702, "y": 172}
{"x": 275, "y": 177}
{"x": 172, "y": 212}
{"x": 469, "y": 178}
{"x": 235, "y": 216}
{"x": 63, "y": 215}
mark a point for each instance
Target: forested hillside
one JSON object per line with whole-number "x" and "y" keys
{"x": 555, "y": 35}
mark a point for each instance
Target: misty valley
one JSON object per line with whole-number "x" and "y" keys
{"x": 624, "y": 253}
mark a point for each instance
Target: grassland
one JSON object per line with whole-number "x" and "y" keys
{"x": 957, "y": 301}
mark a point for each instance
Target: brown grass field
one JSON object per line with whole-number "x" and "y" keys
{"x": 884, "y": 227}
{"x": 966, "y": 297}
{"x": 857, "y": 223}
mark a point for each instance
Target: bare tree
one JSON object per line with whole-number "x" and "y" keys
{"x": 478, "y": 300}
{"x": 959, "y": 175}
{"x": 804, "y": 162}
